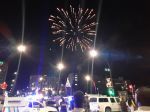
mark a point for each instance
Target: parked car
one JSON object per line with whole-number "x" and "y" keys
{"x": 104, "y": 104}
{"x": 20, "y": 104}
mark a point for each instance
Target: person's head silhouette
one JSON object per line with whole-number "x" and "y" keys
{"x": 78, "y": 99}
{"x": 142, "y": 96}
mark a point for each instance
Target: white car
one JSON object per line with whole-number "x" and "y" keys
{"x": 104, "y": 104}
{"x": 20, "y": 104}
{"x": 35, "y": 106}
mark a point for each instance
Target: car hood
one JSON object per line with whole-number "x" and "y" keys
{"x": 51, "y": 108}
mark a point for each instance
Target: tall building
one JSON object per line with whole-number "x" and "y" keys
{"x": 74, "y": 81}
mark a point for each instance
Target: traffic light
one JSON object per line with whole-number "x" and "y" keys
{"x": 111, "y": 92}
{"x": 108, "y": 82}
{"x": 130, "y": 88}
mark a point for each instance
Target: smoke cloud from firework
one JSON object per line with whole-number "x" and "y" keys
{"x": 74, "y": 28}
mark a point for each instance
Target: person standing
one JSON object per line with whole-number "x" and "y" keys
{"x": 86, "y": 104}
{"x": 63, "y": 105}
{"x": 71, "y": 104}
{"x": 142, "y": 99}
{"x": 123, "y": 105}
{"x": 131, "y": 104}
{"x": 78, "y": 102}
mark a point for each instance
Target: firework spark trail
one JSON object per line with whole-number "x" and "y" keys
{"x": 74, "y": 28}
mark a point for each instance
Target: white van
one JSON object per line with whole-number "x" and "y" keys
{"x": 104, "y": 104}
{"x": 21, "y": 104}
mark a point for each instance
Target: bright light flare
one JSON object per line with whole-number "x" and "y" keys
{"x": 21, "y": 48}
{"x": 41, "y": 78}
{"x": 93, "y": 53}
{"x": 87, "y": 78}
{"x": 60, "y": 66}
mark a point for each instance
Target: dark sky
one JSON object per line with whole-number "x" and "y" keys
{"x": 123, "y": 38}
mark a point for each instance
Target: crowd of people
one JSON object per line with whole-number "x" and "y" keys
{"x": 140, "y": 103}
{"x": 80, "y": 102}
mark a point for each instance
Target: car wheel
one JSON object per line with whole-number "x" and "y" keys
{"x": 107, "y": 109}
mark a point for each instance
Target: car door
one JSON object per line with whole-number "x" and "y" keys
{"x": 118, "y": 104}
{"x": 30, "y": 108}
{"x": 114, "y": 104}
{"x": 103, "y": 103}
{"x": 93, "y": 104}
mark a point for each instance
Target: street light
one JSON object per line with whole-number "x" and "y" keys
{"x": 13, "y": 80}
{"x": 40, "y": 79}
{"x": 40, "y": 82}
{"x": 87, "y": 78}
{"x": 21, "y": 48}
{"x": 93, "y": 53}
{"x": 60, "y": 66}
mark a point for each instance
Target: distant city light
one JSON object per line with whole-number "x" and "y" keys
{"x": 76, "y": 84}
{"x": 13, "y": 80}
{"x": 107, "y": 69}
{"x": 15, "y": 73}
{"x": 41, "y": 78}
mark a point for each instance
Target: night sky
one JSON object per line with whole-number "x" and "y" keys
{"x": 123, "y": 39}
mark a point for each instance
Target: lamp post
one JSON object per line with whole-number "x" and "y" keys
{"x": 21, "y": 49}
{"x": 87, "y": 78}
{"x": 40, "y": 81}
{"x": 60, "y": 67}
{"x": 93, "y": 54}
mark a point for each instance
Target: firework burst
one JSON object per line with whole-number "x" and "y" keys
{"x": 74, "y": 28}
